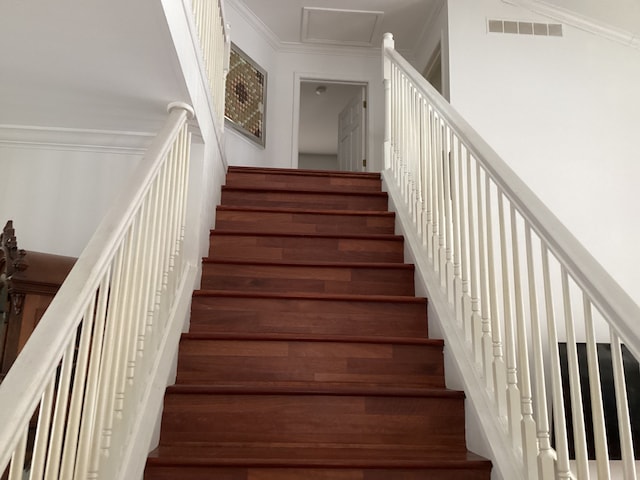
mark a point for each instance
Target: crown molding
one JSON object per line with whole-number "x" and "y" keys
{"x": 582, "y": 22}
{"x": 254, "y": 22}
{"x": 299, "y": 47}
{"x": 325, "y": 49}
{"x": 75, "y": 139}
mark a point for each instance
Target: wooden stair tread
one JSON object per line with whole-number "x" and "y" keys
{"x": 316, "y": 389}
{"x": 310, "y": 172}
{"x": 307, "y": 296}
{"x": 307, "y": 263}
{"x": 314, "y": 455}
{"x": 354, "y": 236}
{"x": 353, "y": 213}
{"x": 295, "y": 189}
{"x": 430, "y": 342}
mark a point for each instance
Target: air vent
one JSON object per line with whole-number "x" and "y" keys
{"x": 525, "y": 28}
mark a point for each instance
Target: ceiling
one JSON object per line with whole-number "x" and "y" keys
{"x": 345, "y": 22}
{"x": 86, "y": 65}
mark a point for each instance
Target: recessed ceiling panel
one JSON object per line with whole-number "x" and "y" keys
{"x": 340, "y": 27}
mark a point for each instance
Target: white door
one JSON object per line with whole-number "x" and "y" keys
{"x": 351, "y": 135}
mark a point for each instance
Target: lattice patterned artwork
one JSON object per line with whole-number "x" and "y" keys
{"x": 245, "y": 96}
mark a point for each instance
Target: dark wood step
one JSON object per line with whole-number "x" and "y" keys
{"x": 307, "y": 356}
{"x": 315, "y": 462}
{"x": 210, "y": 359}
{"x": 291, "y": 198}
{"x": 308, "y": 180}
{"x": 342, "y": 417}
{"x": 199, "y": 472}
{"x": 338, "y": 278}
{"x": 320, "y": 248}
{"x": 352, "y": 315}
{"x": 287, "y": 220}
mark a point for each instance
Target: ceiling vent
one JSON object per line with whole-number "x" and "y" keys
{"x": 340, "y": 27}
{"x": 525, "y": 28}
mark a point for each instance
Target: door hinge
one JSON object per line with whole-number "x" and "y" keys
{"x": 364, "y": 104}
{"x": 364, "y": 162}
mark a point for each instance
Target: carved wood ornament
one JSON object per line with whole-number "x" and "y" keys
{"x": 12, "y": 260}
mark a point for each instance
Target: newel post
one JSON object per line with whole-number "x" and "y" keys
{"x": 387, "y": 43}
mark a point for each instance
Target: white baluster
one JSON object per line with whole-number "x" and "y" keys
{"x": 448, "y": 223}
{"x": 499, "y": 370}
{"x": 595, "y": 389}
{"x": 514, "y": 411}
{"x": 442, "y": 200}
{"x": 42, "y": 432}
{"x": 430, "y": 186}
{"x": 487, "y": 356}
{"x": 17, "y": 459}
{"x": 546, "y": 456}
{"x": 77, "y": 394}
{"x": 464, "y": 245}
{"x": 389, "y": 103}
{"x": 54, "y": 453}
{"x": 476, "y": 320}
{"x": 622, "y": 407}
{"x": 458, "y": 293}
{"x": 528, "y": 425}
{"x": 563, "y": 467}
{"x": 107, "y": 384}
{"x": 89, "y": 409}
{"x": 424, "y": 163}
{"x": 577, "y": 410}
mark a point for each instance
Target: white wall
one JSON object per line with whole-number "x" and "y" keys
{"x": 434, "y": 37}
{"x": 563, "y": 112}
{"x": 56, "y": 198}
{"x": 285, "y": 67}
{"x": 311, "y": 161}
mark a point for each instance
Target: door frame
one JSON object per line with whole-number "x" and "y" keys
{"x": 329, "y": 79}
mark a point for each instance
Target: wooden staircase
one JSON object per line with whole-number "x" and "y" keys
{"x": 308, "y": 356}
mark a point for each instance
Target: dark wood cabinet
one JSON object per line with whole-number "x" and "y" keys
{"x": 28, "y": 282}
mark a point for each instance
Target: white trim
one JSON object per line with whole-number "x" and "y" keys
{"x": 255, "y": 23}
{"x": 280, "y": 46}
{"x": 299, "y": 77}
{"x": 333, "y": 50}
{"x": 375, "y": 31}
{"x": 440, "y": 311}
{"x": 75, "y": 139}
{"x": 579, "y": 21}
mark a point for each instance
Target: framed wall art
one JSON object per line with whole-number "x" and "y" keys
{"x": 246, "y": 91}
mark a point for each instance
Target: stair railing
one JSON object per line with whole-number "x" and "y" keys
{"x": 515, "y": 285}
{"x": 216, "y": 43}
{"x": 69, "y": 404}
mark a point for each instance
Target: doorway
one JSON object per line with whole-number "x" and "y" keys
{"x": 323, "y": 142}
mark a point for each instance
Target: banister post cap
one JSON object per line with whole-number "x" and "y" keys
{"x": 183, "y": 106}
{"x": 387, "y": 40}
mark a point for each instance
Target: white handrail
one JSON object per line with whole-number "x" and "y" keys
{"x": 508, "y": 268}
{"x": 104, "y": 327}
